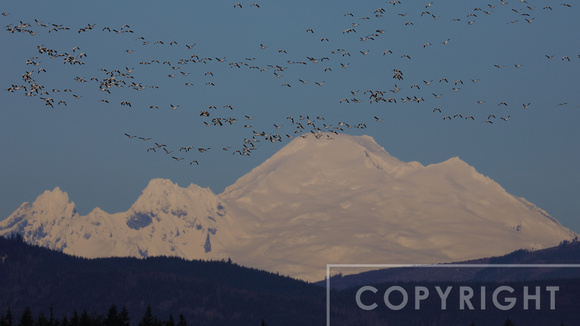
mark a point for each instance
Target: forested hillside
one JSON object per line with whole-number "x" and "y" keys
{"x": 205, "y": 292}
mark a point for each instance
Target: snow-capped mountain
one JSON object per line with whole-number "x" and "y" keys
{"x": 323, "y": 199}
{"x": 165, "y": 220}
{"x": 344, "y": 199}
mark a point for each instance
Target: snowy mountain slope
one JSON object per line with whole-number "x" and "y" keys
{"x": 165, "y": 220}
{"x": 319, "y": 200}
{"x": 346, "y": 200}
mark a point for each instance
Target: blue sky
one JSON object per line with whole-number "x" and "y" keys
{"x": 487, "y": 51}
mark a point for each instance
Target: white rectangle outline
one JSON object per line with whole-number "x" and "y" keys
{"x": 329, "y": 266}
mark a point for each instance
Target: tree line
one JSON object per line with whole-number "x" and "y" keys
{"x": 113, "y": 317}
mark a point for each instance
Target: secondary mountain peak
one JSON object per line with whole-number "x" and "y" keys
{"x": 48, "y": 215}
{"x": 54, "y": 202}
{"x": 165, "y": 220}
{"x": 164, "y": 195}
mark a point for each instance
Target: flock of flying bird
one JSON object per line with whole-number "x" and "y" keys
{"x": 108, "y": 81}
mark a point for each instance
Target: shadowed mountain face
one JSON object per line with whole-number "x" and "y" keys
{"x": 322, "y": 199}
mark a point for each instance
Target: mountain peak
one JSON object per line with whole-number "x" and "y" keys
{"x": 159, "y": 193}
{"x": 165, "y": 196}
{"x": 455, "y": 159}
{"x": 160, "y": 184}
{"x": 336, "y": 198}
{"x": 331, "y": 146}
{"x": 55, "y": 195}
{"x": 36, "y": 222}
{"x": 323, "y": 158}
{"x": 55, "y": 202}
{"x": 456, "y": 162}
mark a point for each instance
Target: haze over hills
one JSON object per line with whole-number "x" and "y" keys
{"x": 322, "y": 199}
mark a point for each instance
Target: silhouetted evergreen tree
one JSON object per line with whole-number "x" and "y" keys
{"x": 51, "y": 320}
{"x": 112, "y": 318}
{"x": 8, "y": 319}
{"x": 85, "y": 319}
{"x": 41, "y": 320}
{"x": 148, "y": 318}
{"x": 508, "y": 322}
{"x": 170, "y": 321}
{"x": 75, "y": 320}
{"x": 64, "y": 321}
{"x": 26, "y": 319}
{"x": 182, "y": 321}
{"x": 124, "y": 317}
